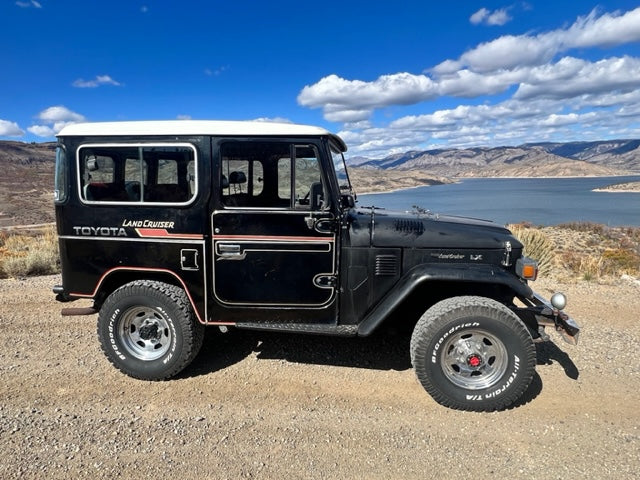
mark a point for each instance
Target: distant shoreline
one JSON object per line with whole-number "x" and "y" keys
{"x": 634, "y": 189}
{"x": 403, "y": 189}
{"x": 627, "y": 187}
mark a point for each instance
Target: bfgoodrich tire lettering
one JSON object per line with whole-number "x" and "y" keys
{"x": 148, "y": 331}
{"x": 472, "y": 353}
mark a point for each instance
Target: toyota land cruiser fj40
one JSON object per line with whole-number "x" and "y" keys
{"x": 169, "y": 227}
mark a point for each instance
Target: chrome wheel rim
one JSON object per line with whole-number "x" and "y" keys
{"x": 145, "y": 333}
{"x": 474, "y": 359}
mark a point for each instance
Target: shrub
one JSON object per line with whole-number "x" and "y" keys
{"x": 620, "y": 260}
{"x": 23, "y": 255}
{"x": 536, "y": 246}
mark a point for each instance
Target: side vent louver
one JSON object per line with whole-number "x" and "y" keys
{"x": 410, "y": 226}
{"x": 386, "y": 265}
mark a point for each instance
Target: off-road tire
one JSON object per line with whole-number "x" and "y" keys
{"x": 147, "y": 329}
{"x": 473, "y": 353}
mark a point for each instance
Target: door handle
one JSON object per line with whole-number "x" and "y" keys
{"x": 230, "y": 252}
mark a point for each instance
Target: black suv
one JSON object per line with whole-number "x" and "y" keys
{"x": 171, "y": 226}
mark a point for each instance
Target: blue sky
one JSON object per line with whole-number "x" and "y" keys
{"x": 387, "y": 76}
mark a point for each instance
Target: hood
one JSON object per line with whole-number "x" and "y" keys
{"x": 425, "y": 230}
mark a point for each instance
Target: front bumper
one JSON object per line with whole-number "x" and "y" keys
{"x": 548, "y": 316}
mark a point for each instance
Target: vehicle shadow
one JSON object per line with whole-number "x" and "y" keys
{"x": 380, "y": 351}
{"x": 548, "y": 352}
{"x": 534, "y": 389}
{"x": 385, "y": 350}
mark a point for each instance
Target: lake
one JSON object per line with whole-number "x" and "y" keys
{"x": 541, "y": 201}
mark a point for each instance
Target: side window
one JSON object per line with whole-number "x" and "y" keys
{"x": 61, "y": 176}
{"x": 270, "y": 175}
{"x": 98, "y": 176}
{"x": 309, "y": 193}
{"x": 135, "y": 176}
{"x": 248, "y": 177}
{"x": 240, "y": 176}
{"x": 284, "y": 179}
{"x": 137, "y": 173}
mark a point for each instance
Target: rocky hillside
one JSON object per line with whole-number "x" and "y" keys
{"x": 530, "y": 160}
{"x": 26, "y": 183}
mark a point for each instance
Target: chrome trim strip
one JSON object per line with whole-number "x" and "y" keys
{"x": 131, "y": 239}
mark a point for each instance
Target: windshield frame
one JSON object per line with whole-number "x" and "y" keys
{"x": 338, "y": 161}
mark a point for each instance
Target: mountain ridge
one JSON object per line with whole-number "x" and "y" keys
{"x": 596, "y": 158}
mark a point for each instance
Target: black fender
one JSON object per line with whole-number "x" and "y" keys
{"x": 420, "y": 274}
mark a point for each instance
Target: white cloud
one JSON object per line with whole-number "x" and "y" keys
{"x": 30, "y": 4}
{"x": 216, "y": 71}
{"x": 608, "y": 30}
{"x": 511, "y": 122}
{"x": 478, "y": 17}
{"x": 60, "y": 113}
{"x": 55, "y": 119}
{"x": 510, "y": 51}
{"x": 42, "y": 130}
{"x": 555, "y": 120}
{"x": 272, "y": 120}
{"x": 10, "y": 129}
{"x": 572, "y": 77}
{"x": 541, "y": 97}
{"x": 486, "y": 17}
{"x": 96, "y": 82}
{"x": 338, "y": 96}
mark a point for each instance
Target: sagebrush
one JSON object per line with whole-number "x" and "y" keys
{"x": 23, "y": 255}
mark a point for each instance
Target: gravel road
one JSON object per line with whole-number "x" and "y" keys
{"x": 256, "y": 405}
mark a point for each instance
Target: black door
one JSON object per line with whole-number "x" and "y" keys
{"x": 273, "y": 237}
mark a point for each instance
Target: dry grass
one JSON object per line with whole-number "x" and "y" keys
{"x": 587, "y": 251}
{"x": 23, "y": 255}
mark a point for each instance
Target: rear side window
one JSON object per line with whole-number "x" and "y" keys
{"x": 61, "y": 176}
{"x": 157, "y": 174}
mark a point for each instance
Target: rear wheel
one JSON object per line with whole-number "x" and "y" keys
{"x": 473, "y": 353}
{"x": 147, "y": 330}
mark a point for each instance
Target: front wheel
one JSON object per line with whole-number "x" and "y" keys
{"x": 148, "y": 331}
{"x": 473, "y": 353}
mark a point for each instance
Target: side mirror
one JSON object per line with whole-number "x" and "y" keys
{"x": 347, "y": 201}
{"x": 316, "y": 195}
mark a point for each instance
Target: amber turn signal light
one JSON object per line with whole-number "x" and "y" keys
{"x": 527, "y": 268}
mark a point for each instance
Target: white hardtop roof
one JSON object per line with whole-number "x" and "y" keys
{"x": 196, "y": 127}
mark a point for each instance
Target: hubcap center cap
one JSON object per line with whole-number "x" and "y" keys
{"x": 474, "y": 360}
{"x": 149, "y": 331}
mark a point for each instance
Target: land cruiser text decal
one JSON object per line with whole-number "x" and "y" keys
{"x": 146, "y": 224}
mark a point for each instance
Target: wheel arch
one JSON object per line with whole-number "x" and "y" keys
{"x": 425, "y": 285}
{"x": 119, "y": 276}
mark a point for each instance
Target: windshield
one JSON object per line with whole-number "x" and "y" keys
{"x": 342, "y": 173}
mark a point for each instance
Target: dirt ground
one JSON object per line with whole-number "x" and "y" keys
{"x": 256, "y": 405}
